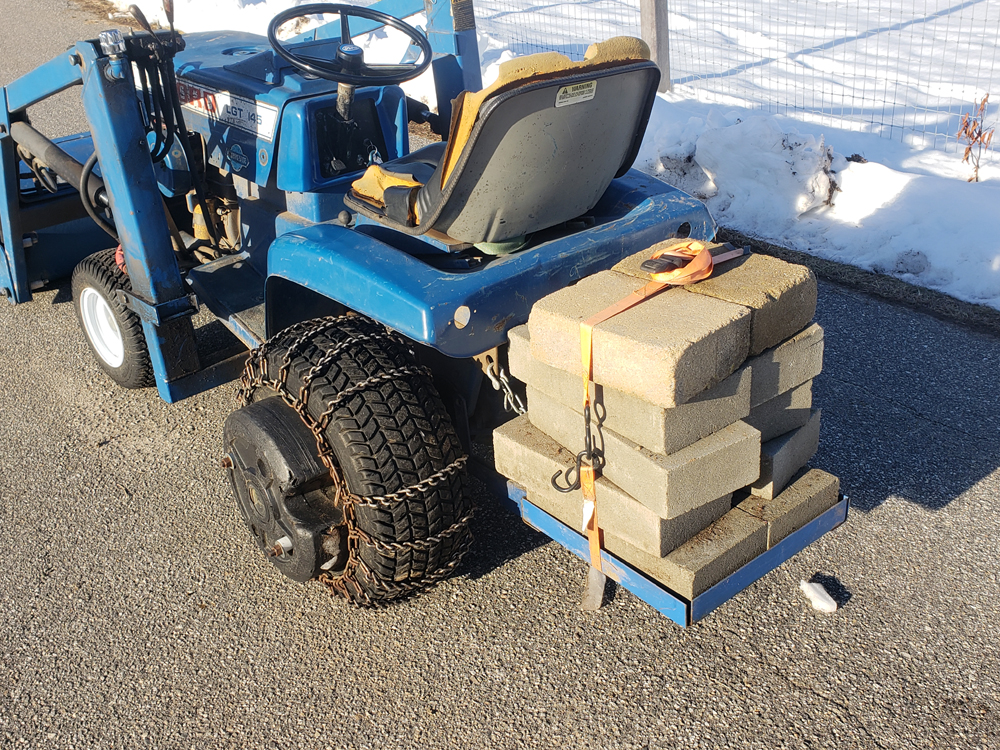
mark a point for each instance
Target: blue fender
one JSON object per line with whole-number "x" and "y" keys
{"x": 420, "y": 301}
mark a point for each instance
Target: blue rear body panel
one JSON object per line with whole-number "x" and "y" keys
{"x": 369, "y": 271}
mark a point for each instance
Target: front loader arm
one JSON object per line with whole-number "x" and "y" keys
{"x": 109, "y": 98}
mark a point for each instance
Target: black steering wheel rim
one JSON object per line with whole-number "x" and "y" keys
{"x": 332, "y": 70}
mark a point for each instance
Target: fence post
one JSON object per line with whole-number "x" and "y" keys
{"x": 653, "y": 16}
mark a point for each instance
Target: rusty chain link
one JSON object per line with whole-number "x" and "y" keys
{"x": 392, "y": 548}
{"x": 348, "y": 584}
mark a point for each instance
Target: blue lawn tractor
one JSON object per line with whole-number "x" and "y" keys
{"x": 272, "y": 183}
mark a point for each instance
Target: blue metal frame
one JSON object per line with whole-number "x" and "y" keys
{"x": 119, "y": 138}
{"x": 411, "y": 296}
{"x": 682, "y": 611}
{"x": 13, "y": 270}
{"x": 113, "y": 113}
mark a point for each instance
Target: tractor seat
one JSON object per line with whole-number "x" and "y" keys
{"x": 537, "y": 148}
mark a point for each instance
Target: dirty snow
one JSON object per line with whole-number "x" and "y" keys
{"x": 819, "y": 187}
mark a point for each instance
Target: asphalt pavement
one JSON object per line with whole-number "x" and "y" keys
{"x": 138, "y": 613}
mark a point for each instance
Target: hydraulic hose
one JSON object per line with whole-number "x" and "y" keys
{"x": 53, "y": 157}
{"x": 88, "y": 172}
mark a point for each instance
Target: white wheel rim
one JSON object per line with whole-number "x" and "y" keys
{"x": 101, "y": 327}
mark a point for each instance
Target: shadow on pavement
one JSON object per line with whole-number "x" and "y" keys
{"x": 500, "y": 535}
{"x": 909, "y": 402}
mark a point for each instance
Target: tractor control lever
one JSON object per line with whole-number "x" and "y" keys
{"x": 351, "y": 58}
{"x": 140, "y": 18}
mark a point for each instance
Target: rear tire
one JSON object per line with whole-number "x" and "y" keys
{"x": 113, "y": 332}
{"x": 389, "y": 433}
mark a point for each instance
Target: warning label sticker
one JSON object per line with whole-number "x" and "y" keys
{"x": 245, "y": 114}
{"x": 578, "y": 92}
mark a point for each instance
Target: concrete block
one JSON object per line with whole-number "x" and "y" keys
{"x": 782, "y": 457}
{"x": 783, "y": 413}
{"x": 781, "y": 296}
{"x": 669, "y": 485}
{"x": 704, "y": 560}
{"x": 655, "y": 428}
{"x": 665, "y": 350}
{"x": 529, "y": 457}
{"x": 787, "y": 365}
{"x": 810, "y": 493}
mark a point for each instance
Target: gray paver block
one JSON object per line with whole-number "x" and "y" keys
{"x": 787, "y": 365}
{"x": 658, "y": 429}
{"x": 665, "y": 350}
{"x": 720, "y": 550}
{"x": 782, "y": 457}
{"x": 783, "y": 413}
{"x": 781, "y": 296}
{"x": 529, "y": 457}
{"x": 810, "y": 493}
{"x": 669, "y": 485}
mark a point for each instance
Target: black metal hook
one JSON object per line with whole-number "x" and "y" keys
{"x": 572, "y": 474}
{"x": 569, "y": 474}
{"x": 590, "y": 453}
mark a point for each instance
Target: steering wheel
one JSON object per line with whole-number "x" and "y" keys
{"x": 349, "y": 66}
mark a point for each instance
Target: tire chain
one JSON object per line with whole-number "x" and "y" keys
{"x": 348, "y": 584}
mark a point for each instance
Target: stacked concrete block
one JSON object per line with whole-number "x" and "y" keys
{"x": 785, "y": 366}
{"x": 525, "y": 452}
{"x": 665, "y": 351}
{"x": 785, "y": 412}
{"x": 668, "y": 484}
{"x": 780, "y": 297}
{"x": 717, "y": 551}
{"x": 783, "y": 456}
{"x": 686, "y": 386}
{"x": 661, "y": 430}
{"x": 809, "y": 494}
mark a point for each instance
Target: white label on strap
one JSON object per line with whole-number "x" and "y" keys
{"x": 589, "y": 506}
{"x": 577, "y": 93}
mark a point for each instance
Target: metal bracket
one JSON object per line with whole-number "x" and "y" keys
{"x": 489, "y": 361}
{"x": 161, "y": 313}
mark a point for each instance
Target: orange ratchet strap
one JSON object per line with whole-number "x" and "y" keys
{"x": 698, "y": 266}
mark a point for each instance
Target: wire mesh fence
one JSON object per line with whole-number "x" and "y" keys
{"x": 529, "y": 26}
{"x": 903, "y": 69}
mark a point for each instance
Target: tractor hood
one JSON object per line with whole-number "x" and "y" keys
{"x": 242, "y": 98}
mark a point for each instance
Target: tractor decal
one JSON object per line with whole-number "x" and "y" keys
{"x": 247, "y": 115}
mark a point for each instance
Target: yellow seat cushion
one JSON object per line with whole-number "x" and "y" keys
{"x": 618, "y": 50}
{"x": 371, "y": 186}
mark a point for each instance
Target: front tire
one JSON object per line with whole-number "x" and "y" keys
{"x": 113, "y": 332}
{"x": 385, "y": 434}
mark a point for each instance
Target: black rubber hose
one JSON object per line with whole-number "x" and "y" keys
{"x": 185, "y": 141}
{"x": 147, "y": 108}
{"x": 52, "y": 156}
{"x": 170, "y": 126}
{"x": 91, "y": 210}
{"x": 162, "y": 122}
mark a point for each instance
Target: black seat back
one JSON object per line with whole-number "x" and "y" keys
{"x": 541, "y": 154}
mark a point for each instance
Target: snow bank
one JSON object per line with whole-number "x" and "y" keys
{"x": 768, "y": 178}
